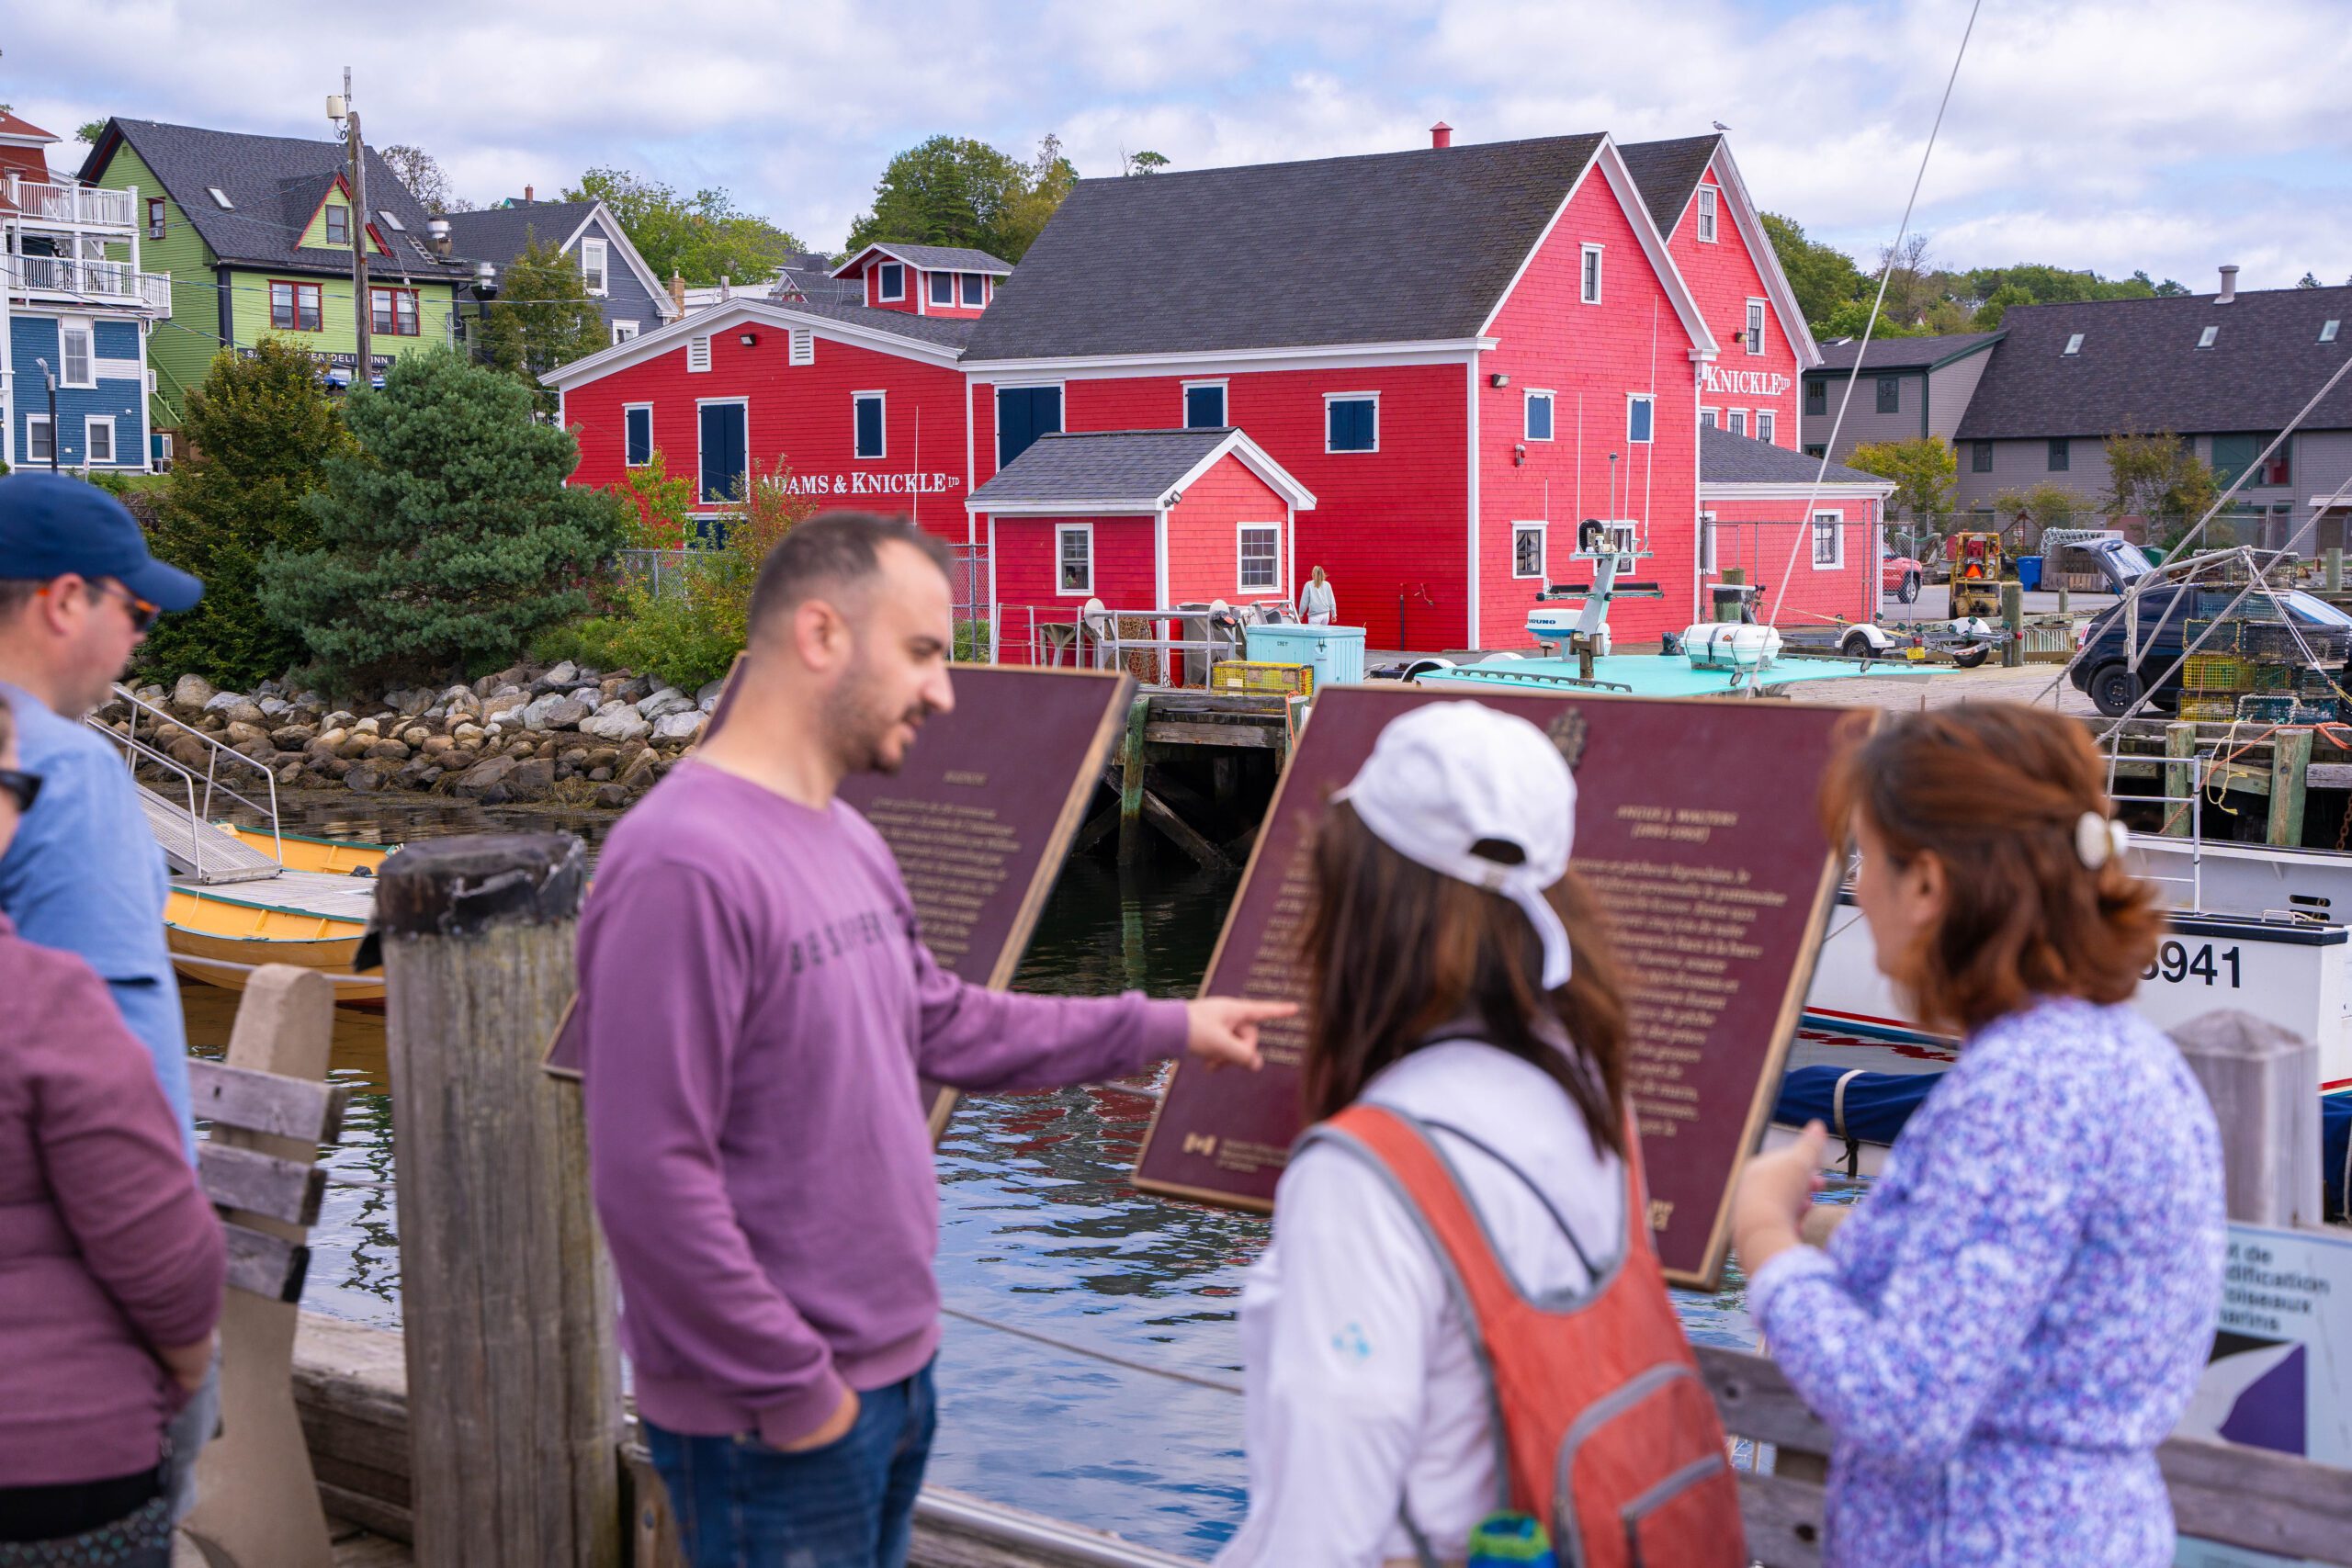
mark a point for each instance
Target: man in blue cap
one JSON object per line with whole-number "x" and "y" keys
{"x": 78, "y": 591}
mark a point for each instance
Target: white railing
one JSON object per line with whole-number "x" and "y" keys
{"x": 83, "y": 205}
{"x": 95, "y": 281}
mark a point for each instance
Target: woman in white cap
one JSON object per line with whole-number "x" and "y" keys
{"x": 1464, "y": 1023}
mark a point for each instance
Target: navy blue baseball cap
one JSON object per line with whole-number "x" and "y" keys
{"x": 51, "y": 524}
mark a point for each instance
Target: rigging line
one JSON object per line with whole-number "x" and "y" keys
{"x": 1091, "y": 1353}
{"x": 1885, "y": 274}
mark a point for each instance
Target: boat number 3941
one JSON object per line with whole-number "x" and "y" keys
{"x": 2174, "y": 963}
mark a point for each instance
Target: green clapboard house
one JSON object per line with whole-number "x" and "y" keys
{"x": 255, "y": 233}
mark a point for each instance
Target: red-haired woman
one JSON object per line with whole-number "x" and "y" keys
{"x": 2015, "y": 1316}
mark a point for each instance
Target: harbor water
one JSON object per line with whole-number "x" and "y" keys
{"x": 1041, "y": 1230}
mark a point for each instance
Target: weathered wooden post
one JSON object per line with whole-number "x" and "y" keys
{"x": 1131, "y": 771}
{"x": 2180, "y": 784}
{"x": 506, "y": 1295}
{"x": 2334, "y": 572}
{"x": 2264, "y": 1083}
{"x": 2013, "y": 622}
{"x": 2291, "y": 759}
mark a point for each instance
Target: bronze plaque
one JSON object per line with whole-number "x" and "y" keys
{"x": 980, "y": 815}
{"x": 1697, "y": 830}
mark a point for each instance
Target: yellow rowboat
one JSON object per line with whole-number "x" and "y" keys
{"x": 336, "y": 857}
{"x": 311, "y": 915}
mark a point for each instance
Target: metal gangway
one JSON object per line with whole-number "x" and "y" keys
{"x": 193, "y": 846}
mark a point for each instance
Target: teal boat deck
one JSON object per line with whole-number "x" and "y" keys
{"x": 1662, "y": 675}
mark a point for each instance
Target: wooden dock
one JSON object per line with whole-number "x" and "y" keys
{"x": 1195, "y": 769}
{"x": 2274, "y": 771}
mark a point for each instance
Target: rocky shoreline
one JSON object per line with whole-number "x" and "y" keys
{"x": 564, "y": 734}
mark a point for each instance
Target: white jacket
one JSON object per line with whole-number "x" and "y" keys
{"x": 1364, "y": 1389}
{"x": 1317, "y": 604}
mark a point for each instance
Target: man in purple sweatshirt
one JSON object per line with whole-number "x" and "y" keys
{"x": 756, "y": 1006}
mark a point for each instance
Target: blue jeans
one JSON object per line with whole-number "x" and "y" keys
{"x": 741, "y": 1504}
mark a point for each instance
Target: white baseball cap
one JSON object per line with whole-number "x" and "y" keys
{"x": 1481, "y": 796}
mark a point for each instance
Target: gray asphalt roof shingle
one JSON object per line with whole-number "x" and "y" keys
{"x": 1666, "y": 174}
{"x": 274, "y": 184}
{"x": 947, "y": 331}
{"x": 945, "y": 258}
{"x": 2140, "y": 367}
{"x": 1725, "y": 458}
{"x": 1114, "y": 467}
{"x": 1382, "y": 248}
{"x": 499, "y": 234}
{"x": 1902, "y": 353}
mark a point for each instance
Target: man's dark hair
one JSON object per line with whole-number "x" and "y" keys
{"x": 832, "y": 552}
{"x": 15, "y": 593}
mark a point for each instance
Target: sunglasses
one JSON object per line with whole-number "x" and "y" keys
{"x": 22, "y": 788}
{"x": 144, "y": 613}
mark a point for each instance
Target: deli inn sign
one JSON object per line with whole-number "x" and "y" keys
{"x": 1742, "y": 383}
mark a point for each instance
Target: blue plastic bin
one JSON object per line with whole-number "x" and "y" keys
{"x": 1334, "y": 653}
{"x": 2029, "y": 573}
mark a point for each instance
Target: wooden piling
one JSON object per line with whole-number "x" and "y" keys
{"x": 2333, "y": 570}
{"x": 2263, "y": 1081}
{"x": 2180, "y": 780}
{"x": 506, "y": 1295}
{"x": 1131, "y": 764}
{"x": 2013, "y": 622}
{"x": 2291, "y": 755}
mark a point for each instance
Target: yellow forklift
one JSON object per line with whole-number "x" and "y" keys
{"x": 1978, "y": 565}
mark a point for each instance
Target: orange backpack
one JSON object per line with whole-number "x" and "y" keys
{"x": 1611, "y": 1438}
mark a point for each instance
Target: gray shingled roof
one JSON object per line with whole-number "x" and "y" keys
{"x": 1725, "y": 458}
{"x": 1666, "y": 174}
{"x": 2140, "y": 367}
{"x": 944, "y": 258}
{"x": 947, "y": 331}
{"x": 1383, "y": 248}
{"x": 499, "y": 234}
{"x": 1112, "y": 467}
{"x": 275, "y": 184}
{"x": 1903, "y": 353}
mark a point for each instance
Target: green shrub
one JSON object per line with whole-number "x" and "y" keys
{"x": 691, "y": 632}
{"x": 590, "y": 642}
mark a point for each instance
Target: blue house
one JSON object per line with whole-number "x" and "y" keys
{"x": 75, "y": 310}
{"x": 633, "y": 300}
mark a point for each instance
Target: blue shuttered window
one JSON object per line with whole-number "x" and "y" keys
{"x": 1354, "y": 424}
{"x": 724, "y": 451}
{"x": 1022, "y": 415}
{"x": 1539, "y": 416}
{"x": 640, "y": 435}
{"x": 1204, "y": 408}
{"x": 1640, "y": 416}
{"x": 869, "y": 424}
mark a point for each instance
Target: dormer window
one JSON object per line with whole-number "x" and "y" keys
{"x": 889, "y": 283}
{"x": 2205, "y": 339}
{"x": 2327, "y": 331}
{"x": 1706, "y": 215}
{"x": 2074, "y": 343}
{"x": 338, "y": 224}
{"x": 975, "y": 289}
{"x": 943, "y": 287}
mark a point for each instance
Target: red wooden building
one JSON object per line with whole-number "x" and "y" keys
{"x": 1440, "y": 361}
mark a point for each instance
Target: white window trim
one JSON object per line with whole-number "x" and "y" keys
{"x": 625, "y": 331}
{"x": 881, "y": 269}
{"x": 700, "y": 506}
{"x": 66, "y": 326}
{"x": 1331, "y": 398}
{"x": 1706, "y": 543}
{"x": 1735, "y": 421}
{"x": 1542, "y": 532}
{"x": 1527, "y": 410}
{"x": 1813, "y": 543}
{"x": 978, "y": 304}
{"x": 1241, "y": 583}
{"x": 1758, "y": 321}
{"x": 1710, "y": 214}
{"x": 1225, "y": 405}
{"x": 39, "y": 421}
{"x": 1061, "y": 530}
{"x": 1767, "y": 426}
{"x": 91, "y": 423}
{"x": 931, "y": 281}
{"x": 698, "y": 348}
{"x": 1594, "y": 257}
{"x": 1711, "y": 418}
{"x": 800, "y": 346}
{"x": 1651, "y": 399}
{"x": 996, "y": 410}
{"x": 628, "y": 409}
{"x": 603, "y": 270}
{"x": 882, "y": 398}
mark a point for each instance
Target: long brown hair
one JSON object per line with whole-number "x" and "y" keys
{"x": 1395, "y": 950}
{"x": 1995, "y": 791}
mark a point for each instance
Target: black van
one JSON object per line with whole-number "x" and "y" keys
{"x": 2102, "y": 664}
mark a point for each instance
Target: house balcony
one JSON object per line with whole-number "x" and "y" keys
{"x": 80, "y": 207}
{"x": 68, "y": 281}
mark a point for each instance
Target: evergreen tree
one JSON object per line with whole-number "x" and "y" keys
{"x": 258, "y": 434}
{"x": 542, "y": 317}
{"x": 448, "y": 536}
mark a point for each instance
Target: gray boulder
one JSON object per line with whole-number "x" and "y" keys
{"x": 193, "y": 691}
{"x": 681, "y": 726}
{"x": 616, "y": 721}
{"x": 706, "y": 698}
{"x": 664, "y": 703}
{"x": 484, "y": 776}
{"x": 554, "y": 711}
{"x": 562, "y": 678}
{"x": 531, "y": 780}
{"x": 365, "y": 777}
{"x": 611, "y": 796}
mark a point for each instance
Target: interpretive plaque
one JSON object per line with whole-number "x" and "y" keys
{"x": 1697, "y": 832}
{"x": 981, "y": 813}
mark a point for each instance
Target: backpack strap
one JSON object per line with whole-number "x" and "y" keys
{"x": 1558, "y": 1219}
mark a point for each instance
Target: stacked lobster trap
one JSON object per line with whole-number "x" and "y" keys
{"x": 2251, "y": 662}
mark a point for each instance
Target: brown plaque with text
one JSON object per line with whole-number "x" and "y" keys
{"x": 1697, "y": 830}
{"x": 980, "y": 815}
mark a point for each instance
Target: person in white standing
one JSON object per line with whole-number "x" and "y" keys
{"x": 1316, "y": 602}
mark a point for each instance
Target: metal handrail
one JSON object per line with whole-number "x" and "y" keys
{"x": 215, "y": 749}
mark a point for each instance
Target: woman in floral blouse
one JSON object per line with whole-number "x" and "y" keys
{"x": 2015, "y": 1318}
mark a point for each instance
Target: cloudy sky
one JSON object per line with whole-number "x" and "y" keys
{"x": 2169, "y": 135}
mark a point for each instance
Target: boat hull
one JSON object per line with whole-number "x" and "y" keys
{"x": 220, "y": 939}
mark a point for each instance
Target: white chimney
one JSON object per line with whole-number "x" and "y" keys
{"x": 2229, "y": 284}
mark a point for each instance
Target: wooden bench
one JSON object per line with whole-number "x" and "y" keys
{"x": 270, "y": 1109}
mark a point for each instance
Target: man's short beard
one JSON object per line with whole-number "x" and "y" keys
{"x": 855, "y": 730}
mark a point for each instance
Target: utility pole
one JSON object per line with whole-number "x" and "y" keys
{"x": 361, "y": 306}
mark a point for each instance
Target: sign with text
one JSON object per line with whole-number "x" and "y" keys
{"x": 1713, "y": 378}
{"x": 980, "y": 817}
{"x": 1697, "y": 832}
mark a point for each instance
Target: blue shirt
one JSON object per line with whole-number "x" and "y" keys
{"x": 86, "y": 875}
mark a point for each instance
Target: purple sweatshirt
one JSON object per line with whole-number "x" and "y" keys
{"x": 756, "y": 1006}
{"x": 106, "y": 1245}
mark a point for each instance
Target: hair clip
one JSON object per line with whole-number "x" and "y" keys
{"x": 2099, "y": 838}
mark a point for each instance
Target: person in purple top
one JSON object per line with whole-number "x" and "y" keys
{"x": 756, "y": 1006}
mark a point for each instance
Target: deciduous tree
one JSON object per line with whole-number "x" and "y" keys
{"x": 1924, "y": 473}
{"x": 951, "y": 190}
{"x": 703, "y": 237}
{"x": 2160, "y": 478}
{"x": 1824, "y": 276}
{"x": 542, "y": 317}
{"x": 422, "y": 173}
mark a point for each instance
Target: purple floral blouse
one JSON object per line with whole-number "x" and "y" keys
{"x": 2015, "y": 1316}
